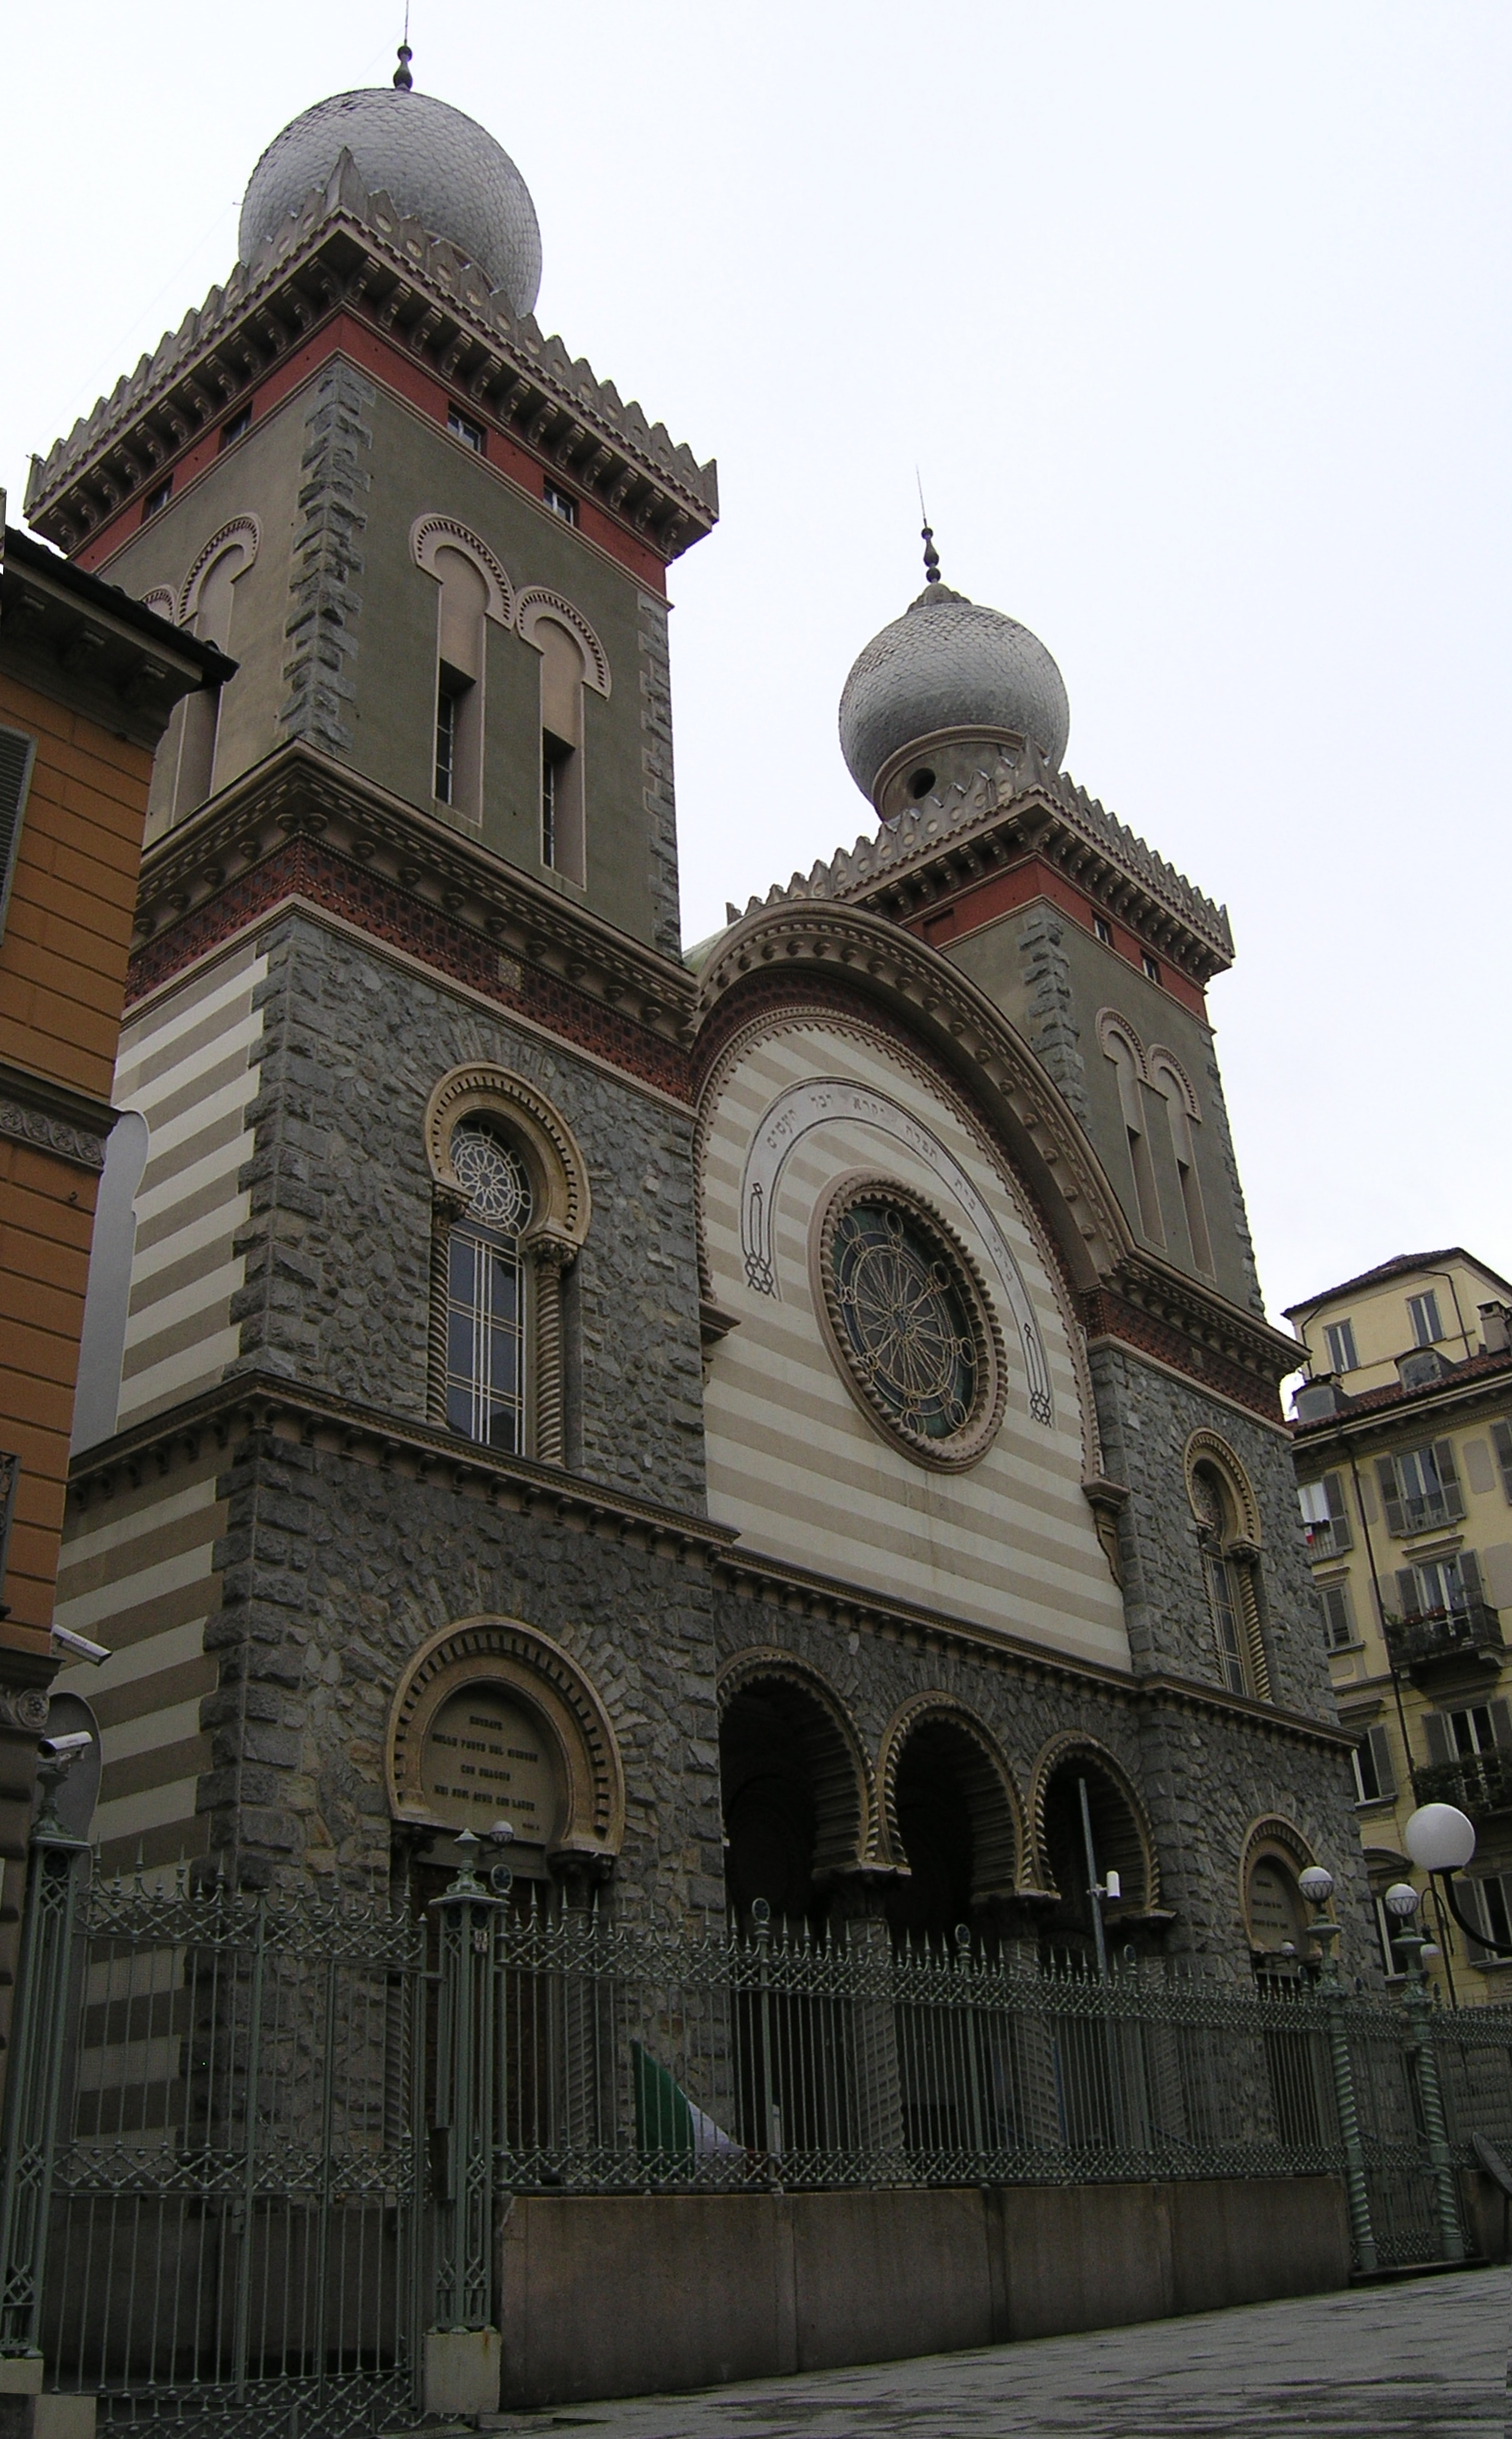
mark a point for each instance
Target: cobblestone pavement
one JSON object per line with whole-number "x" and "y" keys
{"x": 1428, "y": 2358}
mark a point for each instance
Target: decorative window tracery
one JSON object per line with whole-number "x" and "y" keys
{"x": 511, "y": 1210}
{"x": 909, "y": 1322}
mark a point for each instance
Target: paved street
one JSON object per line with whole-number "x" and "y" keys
{"x": 1428, "y": 2358}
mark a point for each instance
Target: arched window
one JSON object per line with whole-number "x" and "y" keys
{"x": 510, "y": 1212}
{"x": 1183, "y": 1112}
{"x": 572, "y": 658}
{"x": 1228, "y": 1542}
{"x": 184, "y": 774}
{"x": 487, "y": 1359}
{"x": 457, "y": 779}
{"x": 1122, "y": 1045}
{"x": 473, "y": 588}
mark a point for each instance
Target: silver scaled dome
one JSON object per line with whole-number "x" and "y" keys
{"x": 948, "y": 662}
{"x": 436, "y": 163}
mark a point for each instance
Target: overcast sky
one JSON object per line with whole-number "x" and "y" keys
{"x": 1195, "y": 319}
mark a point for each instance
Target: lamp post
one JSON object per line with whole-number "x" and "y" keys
{"x": 1317, "y": 1887}
{"x": 1441, "y": 1841}
{"x": 1402, "y": 1901}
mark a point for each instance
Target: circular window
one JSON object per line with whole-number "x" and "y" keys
{"x": 492, "y": 1179}
{"x": 911, "y": 1324}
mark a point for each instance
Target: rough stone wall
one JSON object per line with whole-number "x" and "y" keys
{"x": 656, "y": 762}
{"x": 328, "y": 560}
{"x": 337, "y": 1243}
{"x": 1049, "y": 1016}
{"x": 1206, "y": 1780}
{"x": 335, "y": 1572}
{"x": 1146, "y": 1417}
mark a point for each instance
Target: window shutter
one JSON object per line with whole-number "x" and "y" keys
{"x": 16, "y": 752}
{"x": 1444, "y": 1459}
{"x": 1470, "y": 1567}
{"x": 1409, "y": 1600}
{"x": 1440, "y": 1744}
{"x": 1502, "y": 1442}
{"x": 1390, "y": 1498}
{"x": 1338, "y": 1512}
{"x": 1500, "y": 1724}
{"x": 1379, "y": 1743}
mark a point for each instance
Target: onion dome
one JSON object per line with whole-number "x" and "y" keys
{"x": 434, "y": 163}
{"x": 949, "y": 663}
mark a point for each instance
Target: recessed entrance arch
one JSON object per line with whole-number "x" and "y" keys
{"x": 1121, "y": 1841}
{"x": 952, "y": 1819}
{"x": 795, "y": 1787}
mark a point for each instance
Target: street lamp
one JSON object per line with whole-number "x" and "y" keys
{"x": 1441, "y": 1841}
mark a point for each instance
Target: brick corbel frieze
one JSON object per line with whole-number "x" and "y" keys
{"x": 1157, "y": 1312}
{"x": 301, "y": 825}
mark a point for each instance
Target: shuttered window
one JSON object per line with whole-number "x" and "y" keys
{"x": 1338, "y": 1337}
{"x": 17, "y": 751}
{"x": 1375, "y": 1771}
{"x": 1502, "y": 1442}
{"x": 1458, "y": 1735}
{"x": 1492, "y": 1906}
{"x": 1325, "y": 1517}
{"x": 1338, "y": 1619}
{"x": 1420, "y": 1488}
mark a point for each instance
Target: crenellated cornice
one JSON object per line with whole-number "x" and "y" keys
{"x": 347, "y": 249}
{"x": 1015, "y": 805}
{"x": 301, "y": 792}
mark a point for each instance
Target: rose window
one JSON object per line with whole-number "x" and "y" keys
{"x": 911, "y": 1325}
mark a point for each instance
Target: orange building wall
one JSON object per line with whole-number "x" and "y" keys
{"x": 63, "y": 980}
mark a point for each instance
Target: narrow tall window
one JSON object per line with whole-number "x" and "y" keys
{"x": 1422, "y": 1312}
{"x": 1375, "y": 1777}
{"x": 462, "y": 629}
{"x": 563, "y": 846}
{"x": 1227, "y": 1618}
{"x": 185, "y": 771}
{"x": 1182, "y": 1146}
{"x": 1326, "y": 1517}
{"x": 1338, "y": 1337}
{"x": 1131, "y": 1101}
{"x": 1338, "y": 1624}
{"x": 486, "y": 1322}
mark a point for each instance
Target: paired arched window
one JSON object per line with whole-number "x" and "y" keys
{"x": 184, "y": 773}
{"x": 474, "y": 590}
{"x": 1158, "y": 1071}
{"x": 1229, "y": 1545}
{"x": 510, "y": 1212}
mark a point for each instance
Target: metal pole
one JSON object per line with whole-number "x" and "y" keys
{"x": 1356, "y": 2189}
{"x": 1093, "y": 1892}
{"x": 1418, "y": 2008}
{"x": 464, "y": 2062}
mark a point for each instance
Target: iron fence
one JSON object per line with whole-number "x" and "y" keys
{"x": 255, "y": 2148}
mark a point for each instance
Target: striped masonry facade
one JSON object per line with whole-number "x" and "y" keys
{"x": 188, "y": 1064}
{"x": 138, "y": 1575}
{"x": 1010, "y": 1543}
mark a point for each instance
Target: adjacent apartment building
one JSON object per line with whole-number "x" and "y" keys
{"x": 1404, "y": 1472}
{"x": 88, "y": 683}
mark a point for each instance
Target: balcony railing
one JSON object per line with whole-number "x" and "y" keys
{"x": 1429, "y": 1635}
{"x": 1476, "y": 1783}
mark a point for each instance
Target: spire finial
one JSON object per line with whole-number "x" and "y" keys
{"x": 403, "y": 82}
{"x": 932, "y": 556}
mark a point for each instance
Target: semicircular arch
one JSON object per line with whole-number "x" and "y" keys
{"x": 829, "y": 1743}
{"x": 533, "y": 1670}
{"x": 1127, "y": 1844}
{"x": 561, "y": 1205}
{"x": 431, "y": 535}
{"x": 985, "y": 1780}
{"x": 536, "y": 603}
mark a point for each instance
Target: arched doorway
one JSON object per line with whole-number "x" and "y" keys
{"x": 952, "y": 1820}
{"x": 794, "y": 1807}
{"x": 1090, "y": 1825}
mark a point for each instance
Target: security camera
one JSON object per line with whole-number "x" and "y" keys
{"x": 79, "y": 1646}
{"x": 66, "y": 1748}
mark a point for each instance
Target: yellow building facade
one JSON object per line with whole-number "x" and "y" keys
{"x": 1403, "y": 1450}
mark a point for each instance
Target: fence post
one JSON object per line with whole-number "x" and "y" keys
{"x": 38, "y": 2046}
{"x": 1336, "y": 1999}
{"x": 1418, "y": 2009}
{"x": 462, "y": 2356}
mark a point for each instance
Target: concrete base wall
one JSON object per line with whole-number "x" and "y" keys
{"x": 611, "y": 2297}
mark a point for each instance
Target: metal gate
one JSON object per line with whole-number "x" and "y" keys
{"x": 211, "y": 2204}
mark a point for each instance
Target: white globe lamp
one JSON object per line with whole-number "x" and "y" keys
{"x": 1439, "y": 1839}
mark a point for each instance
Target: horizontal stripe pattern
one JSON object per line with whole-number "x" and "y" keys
{"x": 794, "y": 1465}
{"x": 189, "y": 1065}
{"x": 138, "y": 1575}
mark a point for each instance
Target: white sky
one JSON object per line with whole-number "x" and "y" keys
{"x": 1195, "y": 319}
